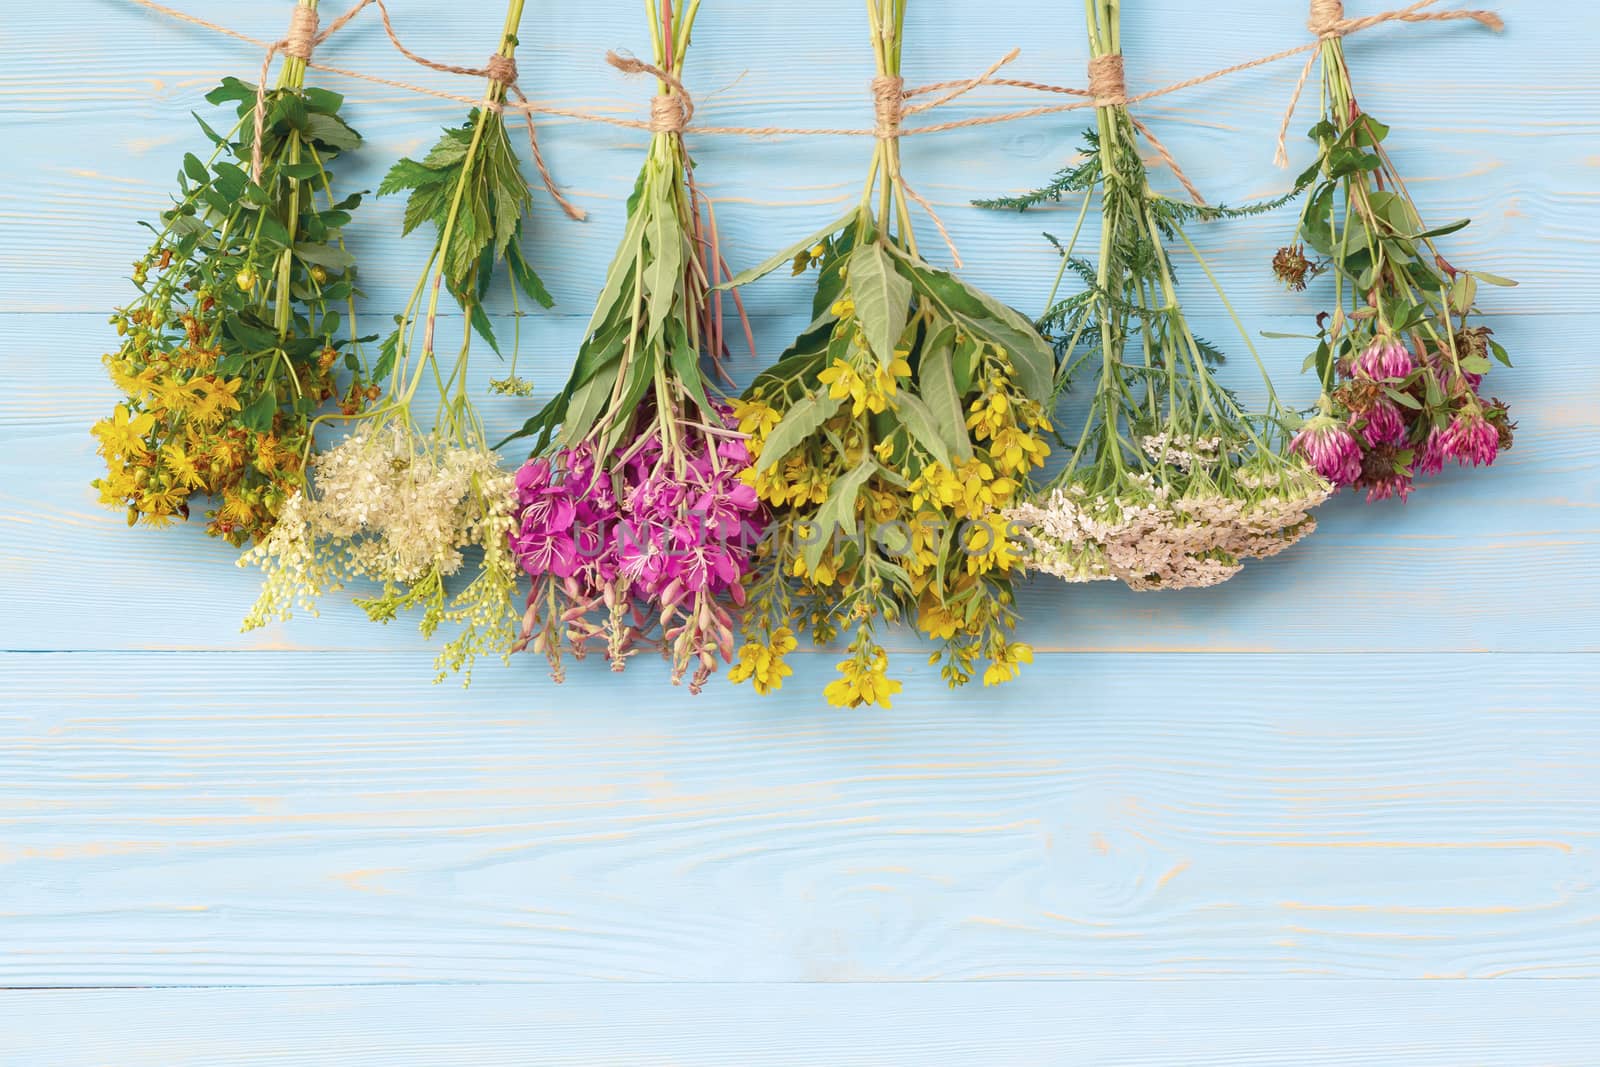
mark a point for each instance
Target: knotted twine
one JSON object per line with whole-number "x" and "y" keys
{"x": 1328, "y": 22}
{"x": 303, "y": 38}
{"x": 1108, "y": 87}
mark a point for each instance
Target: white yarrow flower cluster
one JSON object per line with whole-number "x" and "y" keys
{"x": 1151, "y": 533}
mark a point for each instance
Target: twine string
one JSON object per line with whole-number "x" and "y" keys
{"x": 298, "y": 43}
{"x": 499, "y": 70}
{"x": 671, "y": 109}
{"x": 1108, "y": 87}
{"x": 888, "y": 105}
{"x": 1328, "y": 23}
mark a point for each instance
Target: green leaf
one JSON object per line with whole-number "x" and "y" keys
{"x": 924, "y": 427}
{"x": 1403, "y": 399}
{"x": 686, "y": 365}
{"x": 331, "y": 257}
{"x": 195, "y": 169}
{"x": 1493, "y": 279}
{"x": 798, "y": 423}
{"x": 882, "y": 298}
{"x": 406, "y": 174}
{"x": 428, "y": 203}
{"x": 480, "y": 322}
{"x": 936, "y": 383}
{"x": 323, "y": 101}
{"x": 787, "y": 255}
{"x": 232, "y": 89}
{"x": 1440, "y": 231}
{"x": 527, "y": 279}
{"x": 1370, "y": 131}
{"x": 1031, "y": 356}
{"x": 1476, "y": 365}
{"x": 587, "y": 402}
{"x": 621, "y": 270}
{"x": 838, "y": 512}
{"x": 332, "y": 132}
{"x": 663, "y": 272}
{"x": 257, "y": 415}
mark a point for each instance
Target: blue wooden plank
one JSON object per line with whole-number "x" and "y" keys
{"x": 1381, "y": 805}
{"x": 1116, "y": 1024}
{"x": 279, "y": 818}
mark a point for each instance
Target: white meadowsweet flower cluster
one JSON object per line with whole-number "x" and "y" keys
{"x": 395, "y": 508}
{"x": 1152, "y": 534}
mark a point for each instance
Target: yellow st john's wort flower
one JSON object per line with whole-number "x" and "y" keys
{"x": 217, "y": 398}
{"x": 182, "y": 466}
{"x": 123, "y": 433}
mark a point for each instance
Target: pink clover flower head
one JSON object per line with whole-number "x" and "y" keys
{"x": 1384, "y": 358}
{"x": 1330, "y": 448}
{"x": 1470, "y": 440}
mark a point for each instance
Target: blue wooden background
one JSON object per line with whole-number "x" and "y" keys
{"x": 1343, "y": 809}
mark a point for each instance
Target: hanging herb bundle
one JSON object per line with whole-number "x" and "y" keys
{"x": 632, "y": 519}
{"x": 1172, "y": 483}
{"x": 236, "y": 338}
{"x": 888, "y": 439}
{"x": 396, "y": 503}
{"x": 474, "y": 172}
{"x": 1400, "y": 359}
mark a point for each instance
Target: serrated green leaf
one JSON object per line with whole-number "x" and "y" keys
{"x": 332, "y": 132}
{"x": 406, "y": 174}
{"x": 527, "y": 278}
{"x": 480, "y": 323}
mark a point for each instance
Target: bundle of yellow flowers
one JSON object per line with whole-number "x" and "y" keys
{"x": 887, "y": 442}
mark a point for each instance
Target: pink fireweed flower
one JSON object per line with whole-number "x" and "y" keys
{"x": 1384, "y": 358}
{"x": 646, "y": 551}
{"x": 1470, "y": 440}
{"x": 1330, "y": 449}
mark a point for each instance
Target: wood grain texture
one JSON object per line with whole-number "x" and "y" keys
{"x": 1013, "y": 1024}
{"x": 1234, "y": 826}
{"x": 185, "y": 819}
